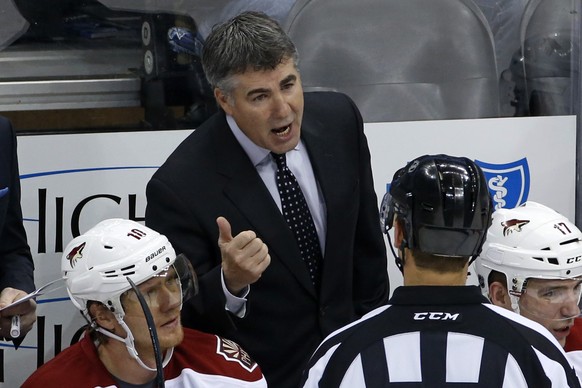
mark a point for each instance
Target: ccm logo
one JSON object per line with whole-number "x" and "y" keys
{"x": 573, "y": 259}
{"x": 436, "y": 316}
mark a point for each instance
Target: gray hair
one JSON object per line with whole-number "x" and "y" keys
{"x": 249, "y": 41}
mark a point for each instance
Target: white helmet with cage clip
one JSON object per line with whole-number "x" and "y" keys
{"x": 529, "y": 241}
{"x": 97, "y": 264}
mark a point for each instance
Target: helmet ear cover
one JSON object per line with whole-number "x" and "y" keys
{"x": 444, "y": 204}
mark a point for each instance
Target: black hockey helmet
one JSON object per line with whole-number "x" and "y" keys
{"x": 444, "y": 203}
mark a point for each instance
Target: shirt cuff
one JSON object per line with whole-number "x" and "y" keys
{"x": 235, "y": 304}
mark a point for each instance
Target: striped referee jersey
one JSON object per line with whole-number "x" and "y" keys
{"x": 440, "y": 336}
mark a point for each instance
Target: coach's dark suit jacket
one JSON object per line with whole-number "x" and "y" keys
{"x": 209, "y": 175}
{"x": 16, "y": 266}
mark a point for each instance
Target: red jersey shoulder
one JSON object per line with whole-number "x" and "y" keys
{"x": 211, "y": 354}
{"x": 78, "y": 364}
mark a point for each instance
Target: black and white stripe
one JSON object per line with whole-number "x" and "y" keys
{"x": 451, "y": 339}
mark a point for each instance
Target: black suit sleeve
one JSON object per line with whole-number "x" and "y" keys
{"x": 16, "y": 265}
{"x": 165, "y": 213}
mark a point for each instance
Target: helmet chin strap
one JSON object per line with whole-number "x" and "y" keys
{"x": 130, "y": 344}
{"x": 514, "y": 299}
{"x": 517, "y": 284}
{"x": 399, "y": 260}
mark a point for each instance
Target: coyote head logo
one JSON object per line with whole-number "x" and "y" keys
{"x": 75, "y": 254}
{"x": 513, "y": 225}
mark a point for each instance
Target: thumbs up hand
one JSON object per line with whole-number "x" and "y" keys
{"x": 244, "y": 256}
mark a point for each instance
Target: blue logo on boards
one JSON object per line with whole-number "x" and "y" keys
{"x": 508, "y": 183}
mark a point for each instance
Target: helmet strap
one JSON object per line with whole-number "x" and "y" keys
{"x": 514, "y": 299}
{"x": 397, "y": 259}
{"x": 400, "y": 260}
{"x": 515, "y": 287}
{"x": 130, "y": 344}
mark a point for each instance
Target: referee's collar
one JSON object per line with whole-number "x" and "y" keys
{"x": 444, "y": 295}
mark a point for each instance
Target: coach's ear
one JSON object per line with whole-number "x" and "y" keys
{"x": 498, "y": 295}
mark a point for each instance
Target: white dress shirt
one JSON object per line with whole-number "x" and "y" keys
{"x": 300, "y": 165}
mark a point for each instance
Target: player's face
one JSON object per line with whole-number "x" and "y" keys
{"x": 553, "y": 304}
{"x": 267, "y": 105}
{"x": 163, "y": 295}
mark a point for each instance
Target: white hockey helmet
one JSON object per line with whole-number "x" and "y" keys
{"x": 96, "y": 264}
{"x": 529, "y": 241}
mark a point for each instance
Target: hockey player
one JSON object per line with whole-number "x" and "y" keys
{"x": 127, "y": 281}
{"x": 531, "y": 263}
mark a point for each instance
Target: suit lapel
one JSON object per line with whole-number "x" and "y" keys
{"x": 321, "y": 155}
{"x": 246, "y": 190}
{"x": 329, "y": 169}
{"x": 323, "y": 161}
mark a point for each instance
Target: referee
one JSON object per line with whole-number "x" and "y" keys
{"x": 435, "y": 331}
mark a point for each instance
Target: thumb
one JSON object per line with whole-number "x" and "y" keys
{"x": 224, "y": 231}
{"x": 9, "y": 295}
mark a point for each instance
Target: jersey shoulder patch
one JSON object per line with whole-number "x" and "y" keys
{"x": 233, "y": 352}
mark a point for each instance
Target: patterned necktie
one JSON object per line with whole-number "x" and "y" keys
{"x": 298, "y": 217}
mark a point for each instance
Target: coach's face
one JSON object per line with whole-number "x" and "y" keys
{"x": 267, "y": 105}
